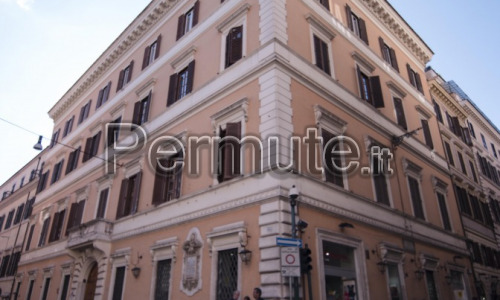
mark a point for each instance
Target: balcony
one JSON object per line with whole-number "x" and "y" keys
{"x": 90, "y": 234}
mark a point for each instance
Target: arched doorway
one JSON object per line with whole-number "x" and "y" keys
{"x": 91, "y": 283}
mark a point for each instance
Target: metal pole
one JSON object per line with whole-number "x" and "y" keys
{"x": 294, "y": 235}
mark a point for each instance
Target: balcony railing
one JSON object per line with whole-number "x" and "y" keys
{"x": 86, "y": 234}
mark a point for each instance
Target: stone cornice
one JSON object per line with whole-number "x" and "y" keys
{"x": 139, "y": 27}
{"x": 388, "y": 16}
{"x": 440, "y": 93}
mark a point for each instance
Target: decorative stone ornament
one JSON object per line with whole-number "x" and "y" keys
{"x": 191, "y": 263}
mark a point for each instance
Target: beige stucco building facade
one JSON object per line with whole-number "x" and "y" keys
{"x": 299, "y": 82}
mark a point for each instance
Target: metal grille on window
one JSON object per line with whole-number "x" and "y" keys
{"x": 227, "y": 273}
{"x": 162, "y": 279}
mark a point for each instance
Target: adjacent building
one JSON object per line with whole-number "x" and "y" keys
{"x": 173, "y": 156}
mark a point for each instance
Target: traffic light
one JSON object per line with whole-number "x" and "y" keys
{"x": 305, "y": 260}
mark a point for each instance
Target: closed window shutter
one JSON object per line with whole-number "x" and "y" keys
{"x": 362, "y": 31}
{"x": 410, "y": 75}
{"x": 145, "y": 60}
{"x": 106, "y": 92}
{"x": 444, "y": 212}
{"x": 324, "y": 57}
{"x": 103, "y": 199}
{"x": 172, "y": 89}
{"x": 190, "y": 80}
{"x": 145, "y": 117}
{"x": 394, "y": 61}
{"x": 196, "y": 12}
{"x": 400, "y": 113}
{"x": 332, "y": 174}
{"x": 122, "y": 199}
{"x": 120, "y": 80}
{"x": 137, "y": 192}
{"x": 180, "y": 26}
{"x": 419, "y": 82}
{"x": 88, "y": 149}
{"x": 95, "y": 143}
{"x": 43, "y": 234}
{"x": 72, "y": 217}
{"x": 99, "y": 98}
{"x": 380, "y": 182}
{"x": 71, "y": 158}
{"x": 326, "y": 4}
{"x": 416, "y": 199}
{"x": 360, "y": 81}
{"x": 137, "y": 113}
{"x": 232, "y": 163}
{"x": 160, "y": 185}
{"x": 158, "y": 43}
{"x": 376, "y": 91}
{"x": 348, "y": 13}
{"x": 382, "y": 45}
{"x": 427, "y": 134}
{"x": 234, "y": 45}
{"x": 131, "y": 68}
{"x": 53, "y": 228}
{"x": 79, "y": 212}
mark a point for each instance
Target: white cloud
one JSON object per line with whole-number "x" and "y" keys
{"x": 25, "y": 4}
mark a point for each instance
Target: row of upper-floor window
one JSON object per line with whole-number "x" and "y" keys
{"x": 358, "y": 26}
{"x": 8, "y": 265}
{"x": 22, "y": 182}
{"x": 15, "y": 216}
{"x": 468, "y": 169}
{"x": 484, "y": 255}
{"x": 474, "y": 207}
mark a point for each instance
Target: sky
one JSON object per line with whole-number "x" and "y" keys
{"x": 45, "y": 46}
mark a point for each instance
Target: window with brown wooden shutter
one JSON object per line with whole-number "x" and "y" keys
{"x": 181, "y": 84}
{"x": 57, "y": 226}
{"x": 356, "y": 24}
{"x": 129, "y": 196}
{"x": 167, "y": 184}
{"x": 10, "y": 218}
{"x": 103, "y": 95}
{"x": 321, "y": 54}
{"x": 444, "y": 211}
{"x": 449, "y": 154}
{"x": 56, "y": 174}
{"x": 125, "y": 76}
{"x": 437, "y": 110}
{"x": 43, "y": 233}
{"x": 414, "y": 78}
{"x": 75, "y": 215}
{"x": 19, "y": 214}
{"x": 91, "y": 147}
{"x": 42, "y": 183}
{"x": 73, "y": 160}
{"x": 114, "y": 131}
{"x": 379, "y": 181}
{"x": 84, "y": 112}
{"x": 188, "y": 20}
{"x": 68, "y": 126}
{"x": 427, "y": 134}
{"x": 151, "y": 53}
{"x": 400, "y": 113}
{"x": 101, "y": 207}
{"x": 325, "y": 3}
{"x": 331, "y": 161}
{"x": 30, "y": 237}
{"x": 141, "y": 110}
{"x": 55, "y": 138}
{"x": 228, "y": 166}
{"x": 370, "y": 89}
{"x": 388, "y": 54}
{"x": 418, "y": 209}
{"x": 234, "y": 45}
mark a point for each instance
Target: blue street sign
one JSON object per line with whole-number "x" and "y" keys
{"x": 288, "y": 242}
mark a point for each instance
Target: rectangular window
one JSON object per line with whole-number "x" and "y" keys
{"x": 91, "y": 147}
{"x": 484, "y": 141}
{"x": 46, "y": 288}
{"x": 73, "y": 160}
{"x": 463, "y": 200}
{"x": 325, "y": 3}
{"x": 493, "y": 150}
{"x": 431, "y": 285}
{"x": 84, "y": 112}
{"x": 119, "y": 282}
{"x": 68, "y": 126}
{"x": 234, "y": 45}
{"x": 340, "y": 269}
{"x": 56, "y": 174}
{"x": 10, "y": 218}
{"x": 103, "y": 95}
{"x": 485, "y": 208}
{"x": 129, "y": 196}
{"x": 473, "y": 171}
{"x": 437, "y": 110}
{"x": 65, "y": 287}
{"x": 227, "y": 273}
{"x": 495, "y": 207}
{"x": 43, "y": 233}
{"x": 55, "y": 138}
{"x": 414, "y": 78}
{"x": 4, "y": 265}
{"x": 162, "y": 285}
{"x": 30, "y": 237}
{"x": 321, "y": 54}
{"x": 394, "y": 281}
{"x": 400, "y": 113}
{"x": 141, "y": 110}
{"x": 75, "y": 215}
{"x": 19, "y": 214}
{"x": 181, "y": 84}
{"x": 151, "y": 53}
{"x": 444, "y": 211}
{"x": 332, "y": 162}
{"x": 462, "y": 163}
{"x": 2, "y": 219}
{"x": 388, "y": 54}
{"x": 449, "y": 153}
{"x": 29, "y": 208}
{"x": 114, "y": 131}
{"x": 471, "y": 129}
{"x": 57, "y": 226}
{"x": 30, "y": 289}
{"x": 356, "y": 24}
{"x": 167, "y": 184}
{"x": 103, "y": 200}
{"x": 379, "y": 180}
{"x": 125, "y": 76}
{"x": 14, "y": 261}
{"x": 228, "y": 152}
{"x": 416, "y": 198}
{"x": 188, "y": 20}
{"x": 370, "y": 89}
{"x": 427, "y": 134}
{"x": 476, "y": 208}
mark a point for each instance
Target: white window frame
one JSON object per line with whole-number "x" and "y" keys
{"x": 221, "y": 238}
{"x": 316, "y": 28}
{"x": 104, "y": 183}
{"x": 162, "y": 250}
{"x": 120, "y": 258}
{"x": 393, "y": 254}
{"x": 65, "y": 270}
{"x": 238, "y": 18}
{"x": 47, "y": 273}
{"x": 359, "y": 259}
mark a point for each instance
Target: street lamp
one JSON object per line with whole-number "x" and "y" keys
{"x": 293, "y": 194}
